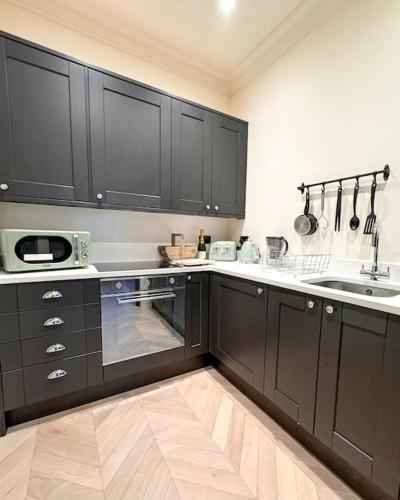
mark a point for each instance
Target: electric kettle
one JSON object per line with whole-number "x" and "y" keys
{"x": 249, "y": 253}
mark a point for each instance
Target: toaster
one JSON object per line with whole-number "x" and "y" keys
{"x": 223, "y": 250}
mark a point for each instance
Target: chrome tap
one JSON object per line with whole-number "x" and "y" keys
{"x": 374, "y": 272}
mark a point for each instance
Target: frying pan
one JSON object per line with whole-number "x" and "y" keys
{"x": 306, "y": 224}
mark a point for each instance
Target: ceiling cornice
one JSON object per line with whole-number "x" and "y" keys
{"x": 306, "y": 17}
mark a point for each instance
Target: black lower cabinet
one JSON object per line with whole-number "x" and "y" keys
{"x": 358, "y": 401}
{"x": 197, "y": 314}
{"x": 291, "y": 366}
{"x": 238, "y": 327}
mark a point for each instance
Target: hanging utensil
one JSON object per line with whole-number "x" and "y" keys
{"x": 306, "y": 224}
{"x": 371, "y": 219}
{"x": 355, "y": 221}
{"x": 338, "y": 207}
{"x": 323, "y": 221}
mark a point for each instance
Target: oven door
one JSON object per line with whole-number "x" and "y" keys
{"x": 142, "y": 322}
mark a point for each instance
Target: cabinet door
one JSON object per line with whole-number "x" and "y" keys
{"x": 131, "y": 143}
{"x": 43, "y": 140}
{"x": 229, "y": 166}
{"x": 191, "y": 157}
{"x": 197, "y": 313}
{"x": 350, "y": 380}
{"x": 386, "y": 467}
{"x": 294, "y": 323}
{"x": 239, "y": 327}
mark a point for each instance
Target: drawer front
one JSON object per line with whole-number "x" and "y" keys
{"x": 93, "y": 340}
{"x": 50, "y": 294}
{"x": 53, "y": 347}
{"x": 10, "y": 356}
{"x": 9, "y": 327}
{"x": 8, "y": 298}
{"x": 48, "y": 321}
{"x": 13, "y": 390}
{"x": 38, "y": 386}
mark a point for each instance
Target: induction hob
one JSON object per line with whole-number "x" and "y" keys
{"x": 132, "y": 266}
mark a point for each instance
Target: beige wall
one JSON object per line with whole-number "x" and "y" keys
{"x": 330, "y": 107}
{"x": 138, "y": 232}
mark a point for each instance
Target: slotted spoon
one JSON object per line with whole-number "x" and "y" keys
{"x": 371, "y": 219}
{"x": 323, "y": 221}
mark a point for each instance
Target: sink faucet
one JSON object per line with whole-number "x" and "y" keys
{"x": 374, "y": 272}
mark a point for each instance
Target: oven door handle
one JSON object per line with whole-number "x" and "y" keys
{"x": 145, "y": 298}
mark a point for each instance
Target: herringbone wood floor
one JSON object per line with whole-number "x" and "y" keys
{"x": 193, "y": 437}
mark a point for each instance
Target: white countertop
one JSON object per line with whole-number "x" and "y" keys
{"x": 252, "y": 272}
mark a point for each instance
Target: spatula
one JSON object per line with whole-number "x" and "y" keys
{"x": 371, "y": 219}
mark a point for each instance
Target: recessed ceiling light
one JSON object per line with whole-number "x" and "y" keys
{"x": 226, "y": 6}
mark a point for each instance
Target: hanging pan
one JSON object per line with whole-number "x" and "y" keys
{"x": 306, "y": 224}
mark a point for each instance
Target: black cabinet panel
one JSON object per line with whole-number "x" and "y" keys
{"x": 292, "y": 354}
{"x": 353, "y": 345}
{"x": 9, "y": 327}
{"x": 43, "y": 143}
{"x": 229, "y": 166}
{"x": 239, "y": 327}
{"x": 13, "y": 389}
{"x": 197, "y": 314}
{"x": 191, "y": 157}
{"x": 386, "y": 468}
{"x": 8, "y": 299}
{"x": 131, "y": 143}
{"x": 95, "y": 368}
{"x": 10, "y": 356}
{"x": 36, "y": 350}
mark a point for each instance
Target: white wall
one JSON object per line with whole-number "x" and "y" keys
{"x": 329, "y": 107}
{"x": 137, "y": 233}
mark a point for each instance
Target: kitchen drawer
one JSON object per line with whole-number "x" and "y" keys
{"x": 34, "y": 350}
{"x": 10, "y": 356}
{"x": 9, "y": 327}
{"x": 13, "y": 389}
{"x": 58, "y": 293}
{"x": 38, "y": 387}
{"x": 32, "y": 323}
{"x": 93, "y": 340}
{"x": 8, "y": 298}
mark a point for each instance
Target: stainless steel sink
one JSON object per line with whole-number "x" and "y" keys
{"x": 346, "y": 286}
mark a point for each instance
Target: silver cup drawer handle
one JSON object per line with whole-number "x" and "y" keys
{"x": 52, "y": 294}
{"x": 56, "y": 374}
{"x": 55, "y": 348}
{"x": 53, "y": 322}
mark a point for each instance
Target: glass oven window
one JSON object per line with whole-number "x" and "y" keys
{"x": 43, "y": 249}
{"x": 141, "y": 322}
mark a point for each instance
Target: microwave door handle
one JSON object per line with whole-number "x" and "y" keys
{"x": 75, "y": 241}
{"x": 145, "y": 298}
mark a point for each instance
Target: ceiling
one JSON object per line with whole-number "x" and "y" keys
{"x": 192, "y": 37}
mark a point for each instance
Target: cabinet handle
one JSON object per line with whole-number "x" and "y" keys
{"x": 4, "y": 186}
{"x": 99, "y": 196}
{"x": 216, "y": 208}
{"x": 55, "y": 348}
{"x": 53, "y": 322}
{"x": 208, "y": 206}
{"x": 260, "y": 291}
{"x": 310, "y": 304}
{"x": 189, "y": 277}
{"x": 329, "y": 309}
{"x": 56, "y": 374}
{"x": 52, "y": 294}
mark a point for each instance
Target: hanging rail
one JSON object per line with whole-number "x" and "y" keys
{"x": 385, "y": 172}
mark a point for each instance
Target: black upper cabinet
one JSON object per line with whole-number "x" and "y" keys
{"x": 239, "y": 327}
{"x": 131, "y": 143}
{"x": 43, "y": 139}
{"x": 197, "y": 314}
{"x": 291, "y": 365}
{"x": 358, "y": 403}
{"x": 191, "y": 157}
{"x": 229, "y": 166}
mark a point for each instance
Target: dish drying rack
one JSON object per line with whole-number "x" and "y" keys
{"x": 295, "y": 264}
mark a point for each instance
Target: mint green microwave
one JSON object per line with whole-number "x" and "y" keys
{"x": 34, "y": 250}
